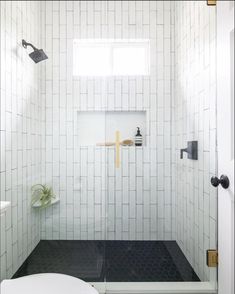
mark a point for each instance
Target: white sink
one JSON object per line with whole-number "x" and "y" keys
{"x": 4, "y": 205}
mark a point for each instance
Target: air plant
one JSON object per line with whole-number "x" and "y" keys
{"x": 42, "y": 194}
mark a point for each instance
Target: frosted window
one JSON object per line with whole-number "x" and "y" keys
{"x": 130, "y": 61}
{"x": 91, "y": 60}
{"x": 110, "y": 57}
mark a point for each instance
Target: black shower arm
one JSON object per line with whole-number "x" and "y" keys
{"x": 25, "y": 44}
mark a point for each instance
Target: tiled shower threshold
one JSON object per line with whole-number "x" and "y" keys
{"x": 155, "y": 288}
{"x": 118, "y": 266}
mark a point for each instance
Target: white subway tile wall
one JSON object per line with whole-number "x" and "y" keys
{"x": 153, "y": 195}
{"x": 195, "y": 119}
{"x": 21, "y": 132}
{"x": 97, "y": 200}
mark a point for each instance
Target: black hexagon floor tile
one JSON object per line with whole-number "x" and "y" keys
{"x": 111, "y": 261}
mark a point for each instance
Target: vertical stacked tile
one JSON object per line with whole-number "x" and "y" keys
{"x": 98, "y": 201}
{"x": 21, "y": 132}
{"x": 195, "y": 119}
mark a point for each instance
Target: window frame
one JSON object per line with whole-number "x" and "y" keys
{"x": 112, "y": 44}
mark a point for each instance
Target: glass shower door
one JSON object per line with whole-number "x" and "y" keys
{"x": 90, "y": 170}
{"x": 131, "y": 190}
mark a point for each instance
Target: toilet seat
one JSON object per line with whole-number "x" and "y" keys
{"x": 47, "y": 284}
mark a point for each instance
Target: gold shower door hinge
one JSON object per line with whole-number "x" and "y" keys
{"x": 212, "y": 258}
{"x": 211, "y": 2}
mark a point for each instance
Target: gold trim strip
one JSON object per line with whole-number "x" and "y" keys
{"x": 117, "y": 143}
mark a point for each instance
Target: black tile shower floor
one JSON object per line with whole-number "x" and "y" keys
{"x": 111, "y": 261}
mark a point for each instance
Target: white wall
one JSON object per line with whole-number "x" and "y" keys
{"x": 20, "y": 132}
{"x": 135, "y": 201}
{"x": 195, "y": 119}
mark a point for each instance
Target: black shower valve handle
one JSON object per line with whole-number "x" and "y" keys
{"x": 191, "y": 150}
{"x": 182, "y": 151}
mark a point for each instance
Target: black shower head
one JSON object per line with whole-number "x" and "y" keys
{"x": 37, "y": 55}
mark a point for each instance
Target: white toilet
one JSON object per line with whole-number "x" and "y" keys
{"x": 46, "y": 284}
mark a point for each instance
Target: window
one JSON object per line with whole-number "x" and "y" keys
{"x": 111, "y": 57}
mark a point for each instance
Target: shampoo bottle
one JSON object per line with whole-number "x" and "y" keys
{"x": 138, "y": 138}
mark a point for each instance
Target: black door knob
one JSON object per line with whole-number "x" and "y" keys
{"x": 224, "y": 181}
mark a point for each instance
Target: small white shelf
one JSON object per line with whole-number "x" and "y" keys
{"x": 38, "y": 203}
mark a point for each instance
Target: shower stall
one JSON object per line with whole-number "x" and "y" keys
{"x": 126, "y": 217}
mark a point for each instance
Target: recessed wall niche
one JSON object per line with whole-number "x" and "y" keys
{"x": 99, "y": 127}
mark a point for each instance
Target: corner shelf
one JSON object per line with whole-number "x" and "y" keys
{"x": 38, "y": 203}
